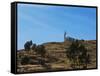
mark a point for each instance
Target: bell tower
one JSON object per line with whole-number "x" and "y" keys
{"x": 65, "y": 36}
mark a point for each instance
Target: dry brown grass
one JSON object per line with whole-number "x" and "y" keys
{"x": 55, "y": 57}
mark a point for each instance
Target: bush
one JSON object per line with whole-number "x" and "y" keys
{"x": 25, "y": 60}
{"x": 77, "y": 54}
{"x": 33, "y": 46}
{"x": 40, "y": 49}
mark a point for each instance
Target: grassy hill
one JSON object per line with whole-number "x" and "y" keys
{"x": 55, "y": 57}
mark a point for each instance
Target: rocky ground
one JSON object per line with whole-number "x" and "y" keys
{"x": 55, "y": 57}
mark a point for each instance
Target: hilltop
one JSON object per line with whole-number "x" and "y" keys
{"x": 55, "y": 57}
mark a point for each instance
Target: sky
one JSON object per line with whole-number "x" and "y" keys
{"x": 45, "y": 23}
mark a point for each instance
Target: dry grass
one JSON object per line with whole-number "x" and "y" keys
{"x": 55, "y": 57}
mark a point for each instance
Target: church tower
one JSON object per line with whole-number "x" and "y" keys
{"x": 65, "y": 36}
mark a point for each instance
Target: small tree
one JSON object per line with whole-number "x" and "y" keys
{"x": 77, "y": 54}
{"x": 82, "y": 55}
{"x": 40, "y": 49}
{"x": 73, "y": 52}
{"x": 84, "y": 58}
{"x": 34, "y": 47}
{"x": 27, "y": 45}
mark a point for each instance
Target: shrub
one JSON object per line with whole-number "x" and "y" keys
{"x": 25, "y": 60}
{"x": 77, "y": 54}
{"x": 33, "y": 46}
{"x": 27, "y": 45}
{"x": 40, "y": 49}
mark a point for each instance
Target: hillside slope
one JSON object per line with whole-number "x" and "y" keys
{"x": 55, "y": 57}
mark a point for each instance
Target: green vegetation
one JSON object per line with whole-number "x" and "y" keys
{"x": 27, "y": 45}
{"x": 25, "y": 60}
{"x": 40, "y": 49}
{"x": 77, "y": 54}
{"x": 72, "y": 54}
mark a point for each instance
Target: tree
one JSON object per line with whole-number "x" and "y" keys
{"x": 84, "y": 58}
{"x": 77, "y": 54}
{"x": 27, "y": 45}
{"x": 73, "y": 52}
{"x": 40, "y": 49}
{"x": 34, "y": 47}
